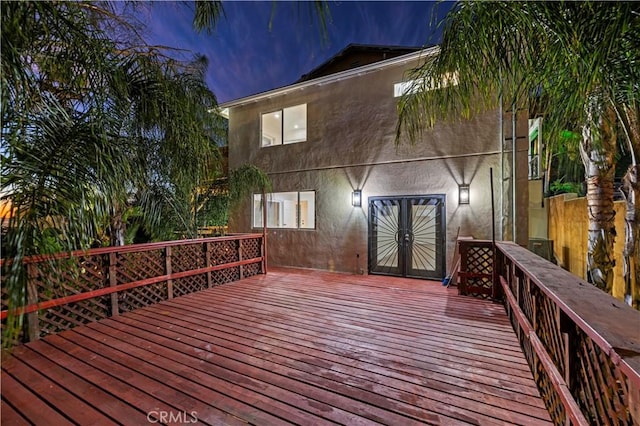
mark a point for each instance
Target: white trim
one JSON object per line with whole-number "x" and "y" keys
{"x": 354, "y": 72}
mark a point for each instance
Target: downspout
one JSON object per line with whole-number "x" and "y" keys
{"x": 264, "y": 231}
{"x": 514, "y": 138}
{"x": 501, "y": 169}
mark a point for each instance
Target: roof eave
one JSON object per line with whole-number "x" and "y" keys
{"x": 331, "y": 78}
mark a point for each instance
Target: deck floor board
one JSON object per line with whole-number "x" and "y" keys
{"x": 289, "y": 347}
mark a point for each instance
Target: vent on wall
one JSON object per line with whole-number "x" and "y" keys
{"x": 543, "y": 248}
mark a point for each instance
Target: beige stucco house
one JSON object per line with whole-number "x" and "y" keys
{"x": 346, "y": 198}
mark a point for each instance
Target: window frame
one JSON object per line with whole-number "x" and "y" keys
{"x": 283, "y": 141}
{"x": 297, "y": 226}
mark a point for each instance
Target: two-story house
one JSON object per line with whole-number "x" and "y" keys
{"x": 345, "y": 198}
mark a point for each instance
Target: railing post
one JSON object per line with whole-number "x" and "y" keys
{"x": 515, "y": 279}
{"x": 568, "y": 339}
{"x": 534, "y": 305}
{"x": 167, "y": 259}
{"x": 496, "y": 289}
{"x": 207, "y": 256}
{"x": 264, "y": 232}
{"x": 113, "y": 281}
{"x": 240, "y": 258}
{"x": 32, "y": 298}
{"x": 462, "y": 281}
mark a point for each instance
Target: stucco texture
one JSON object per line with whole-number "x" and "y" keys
{"x": 350, "y": 145}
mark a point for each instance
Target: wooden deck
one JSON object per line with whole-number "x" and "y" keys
{"x": 293, "y": 346}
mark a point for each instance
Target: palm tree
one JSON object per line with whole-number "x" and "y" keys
{"x": 579, "y": 62}
{"x": 92, "y": 124}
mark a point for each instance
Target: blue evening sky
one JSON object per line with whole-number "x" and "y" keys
{"x": 246, "y": 56}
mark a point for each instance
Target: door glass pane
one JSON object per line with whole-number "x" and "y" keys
{"x": 423, "y": 217}
{"x": 387, "y": 219}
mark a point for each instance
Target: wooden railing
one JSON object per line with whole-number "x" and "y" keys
{"x": 70, "y": 289}
{"x": 583, "y": 346}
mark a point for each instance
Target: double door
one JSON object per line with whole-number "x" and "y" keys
{"x": 407, "y": 236}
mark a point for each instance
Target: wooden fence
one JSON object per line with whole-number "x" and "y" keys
{"x": 570, "y": 242}
{"x": 70, "y": 289}
{"x": 582, "y": 345}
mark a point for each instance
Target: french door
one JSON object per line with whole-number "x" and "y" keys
{"x": 407, "y": 236}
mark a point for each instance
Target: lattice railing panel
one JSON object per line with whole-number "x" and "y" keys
{"x": 60, "y": 318}
{"x": 251, "y": 248}
{"x": 590, "y": 353}
{"x": 140, "y": 265}
{"x": 65, "y": 277}
{"x": 251, "y": 270}
{"x": 224, "y": 252}
{"x": 525, "y": 298}
{"x": 140, "y": 297}
{"x": 187, "y": 257}
{"x": 602, "y": 388}
{"x": 476, "y": 269}
{"x": 188, "y": 285}
{"x": 71, "y": 281}
{"x": 226, "y": 276}
{"x": 547, "y": 391}
{"x": 4, "y": 295}
{"x": 549, "y": 395}
{"x": 17, "y": 335}
{"x": 514, "y": 283}
{"x": 548, "y": 328}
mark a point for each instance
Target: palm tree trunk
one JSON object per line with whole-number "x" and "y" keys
{"x": 597, "y": 151}
{"x": 631, "y": 189}
{"x": 117, "y": 228}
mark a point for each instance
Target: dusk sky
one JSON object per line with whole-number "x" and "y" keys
{"x": 247, "y": 57}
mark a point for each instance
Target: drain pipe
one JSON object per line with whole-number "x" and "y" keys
{"x": 501, "y": 168}
{"x": 514, "y": 113}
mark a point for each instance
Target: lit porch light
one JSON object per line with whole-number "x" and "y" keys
{"x": 463, "y": 194}
{"x": 356, "y": 198}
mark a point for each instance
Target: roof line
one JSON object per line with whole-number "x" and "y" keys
{"x": 350, "y": 46}
{"x": 332, "y": 78}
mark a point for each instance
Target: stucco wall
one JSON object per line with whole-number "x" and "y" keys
{"x": 350, "y": 145}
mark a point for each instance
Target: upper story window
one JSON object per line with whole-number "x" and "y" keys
{"x": 288, "y": 125}
{"x": 413, "y": 86}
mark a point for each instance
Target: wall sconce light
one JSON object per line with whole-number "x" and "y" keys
{"x": 463, "y": 194}
{"x": 356, "y": 198}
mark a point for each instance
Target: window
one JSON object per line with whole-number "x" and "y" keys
{"x": 288, "y": 125}
{"x": 293, "y": 210}
{"x": 535, "y": 142}
{"x": 413, "y": 86}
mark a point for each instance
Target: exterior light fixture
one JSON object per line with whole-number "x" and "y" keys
{"x": 356, "y": 198}
{"x": 463, "y": 194}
